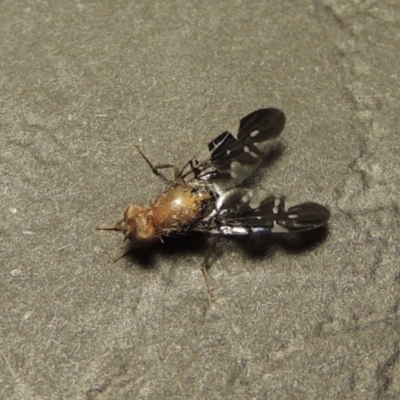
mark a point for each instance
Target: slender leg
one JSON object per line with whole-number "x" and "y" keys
{"x": 205, "y": 267}
{"x": 156, "y": 167}
{"x": 193, "y": 170}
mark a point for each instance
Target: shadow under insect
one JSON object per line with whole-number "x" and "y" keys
{"x": 255, "y": 247}
{"x": 146, "y": 256}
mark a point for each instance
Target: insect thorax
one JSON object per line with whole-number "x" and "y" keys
{"x": 177, "y": 207}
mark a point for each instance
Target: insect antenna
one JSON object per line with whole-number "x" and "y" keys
{"x": 119, "y": 226}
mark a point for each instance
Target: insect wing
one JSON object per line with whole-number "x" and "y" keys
{"x": 237, "y": 213}
{"x": 233, "y": 159}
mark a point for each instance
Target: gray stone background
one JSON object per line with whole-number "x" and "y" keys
{"x": 81, "y": 82}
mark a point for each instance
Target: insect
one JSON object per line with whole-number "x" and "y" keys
{"x": 204, "y": 196}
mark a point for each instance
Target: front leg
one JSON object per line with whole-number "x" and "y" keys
{"x": 156, "y": 167}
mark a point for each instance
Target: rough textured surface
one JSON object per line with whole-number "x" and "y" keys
{"x": 80, "y": 83}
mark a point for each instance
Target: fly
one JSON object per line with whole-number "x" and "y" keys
{"x": 204, "y": 196}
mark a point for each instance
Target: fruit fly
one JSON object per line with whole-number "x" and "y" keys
{"x": 204, "y": 196}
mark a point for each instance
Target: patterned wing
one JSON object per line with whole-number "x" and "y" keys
{"x": 237, "y": 213}
{"x": 237, "y": 153}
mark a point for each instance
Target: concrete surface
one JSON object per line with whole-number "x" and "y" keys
{"x": 81, "y": 82}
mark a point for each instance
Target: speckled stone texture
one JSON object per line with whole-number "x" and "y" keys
{"x": 315, "y": 317}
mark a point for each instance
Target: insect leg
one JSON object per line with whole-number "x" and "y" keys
{"x": 205, "y": 267}
{"x": 156, "y": 167}
{"x": 193, "y": 169}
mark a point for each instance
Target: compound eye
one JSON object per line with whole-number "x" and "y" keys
{"x": 132, "y": 212}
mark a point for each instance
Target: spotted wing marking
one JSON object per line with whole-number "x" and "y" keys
{"x": 238, "y": 213}
{"x": 233, "y": 159}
